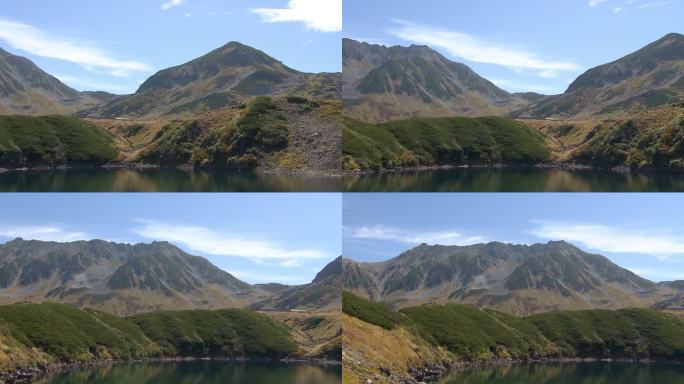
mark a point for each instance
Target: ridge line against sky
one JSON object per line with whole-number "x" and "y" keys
{"x": 260, "y": 238}
{"x": 521, "y": 46}
{"x": 647, "y": 239}
{"x": 116, "y": 53}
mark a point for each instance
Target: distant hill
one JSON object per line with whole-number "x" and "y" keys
{"x": 517, "y": 279}
{"x": 324, "y": 292}
{"x": 650, "y": 77}
{"x": 125, "y": 279}
{"x": 224, "y": 77}
{"x": 26, "y": 89}
{"x": 387, "y": 83}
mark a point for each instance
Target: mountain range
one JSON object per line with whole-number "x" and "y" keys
{"x": 124, "y": 279}
{"x": 517, "y": 279}
{"x": 386, "y": 83}
{"x": 235, "y": 107}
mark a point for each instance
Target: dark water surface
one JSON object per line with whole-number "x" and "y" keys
{"x": 214, "y": 372}
{"x": 517, "y": 180}
{"x": 585, "y": 373}
{"x": 161, "y": 180}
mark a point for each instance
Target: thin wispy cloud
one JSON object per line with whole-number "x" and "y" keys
{"x": 42, "y": 232}
{"x": 318, "y": 15}
{"x": 261, "y": 277}
{"x": 478, "y": 50}
{"x": 603, "y": 238}
{"x": 212, "y": 242}
{"x": 617, "y": 9}
{"x": 386, "y": 233}
{"x": 170, "y": 4}
{"x": 594, "y": 3}
{"x": 33, "y": 40}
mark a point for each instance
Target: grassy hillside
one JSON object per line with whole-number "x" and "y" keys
{"x": 440, "y": 141}
{"x": 428, "y": 340}
{"x": 49, "y": 332}
{"x": 52, "y": 140}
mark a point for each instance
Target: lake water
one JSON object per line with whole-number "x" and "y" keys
{"x": 516, "y": 180}
{"x": 586, "y": 373}
{"x": 161, "y": 180}
{"x": 214, "y": 372}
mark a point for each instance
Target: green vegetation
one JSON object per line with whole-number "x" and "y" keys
{"x": 369, "y": 311}
{"x": 215, "y": 100}
{"x": 69, "y": 334}
{"x": 477, "y": 334}
{"x": 260, "y": 130}
{"x": 215, "y": 333}
{"x": 52, "y": 140}
{"x": 635, "y": 143}
{"x": 440, "y": 141}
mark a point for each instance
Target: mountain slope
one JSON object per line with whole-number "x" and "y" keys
{"x": 649, "y": 77}
{"x": 116, "y": 278}
{"x": 381, "y": 83}
{"x": 28, "y": 90}
{"x": 224, "y": 77}
{"x": 517, "y": 279}
{"x": 323, "y": 293}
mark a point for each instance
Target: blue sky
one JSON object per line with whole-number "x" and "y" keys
{"x": 522, "y": 45}
{"x": 116, "y": 45}
{"x": 281, "y": 237}
{"x": 640, "y": 232}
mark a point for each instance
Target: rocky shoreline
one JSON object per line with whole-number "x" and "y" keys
{"x": 26, "y": 375}
{"x": 542, "y": 166}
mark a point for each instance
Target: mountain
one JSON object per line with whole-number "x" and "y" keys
{"x": 517, "y": 279}
{"x": 28, "y": 90}
{"x": 649, "y": 77}
{"x": 124, "y": 279}
{"x": 385, "y": 83}
{"x": 224, "y": 77}
{"x": 324, "y": 292}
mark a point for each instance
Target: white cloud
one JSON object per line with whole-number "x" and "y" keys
{"x": 171, "y": 3}
{"x": 478, "y": 50}
{"x": 605, "y": 238}
{"x": 593, "y": 3}
{"x": 42, "y": 232}
{"x": 617, "y": 9}
{"x": 188, "y": 14}
{"x": 212, "y": 242}
{"x": 319, "y": 15}
{"x": 261, "y": 277}
{"x": 40, "y": 43}
{"x": 381, "y": 232}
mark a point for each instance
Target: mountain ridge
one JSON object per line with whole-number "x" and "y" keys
{"x": 519, "y": 279}
{"x": 124, "y": 279}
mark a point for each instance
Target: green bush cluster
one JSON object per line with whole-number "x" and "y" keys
{"x": 481, "y": 334}
{"x": 440, "y": 141}
{"x": 70, "y": 334}
{"x": 53, "y": 140}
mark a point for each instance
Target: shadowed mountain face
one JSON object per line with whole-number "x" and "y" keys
{"x": 324, "y": 292}
{"x": 122, "y": 278}
{"x": 381, "y": 83}
{"x": 224, "y": 77}
{"x": 518, "y": 279}
{"x": 649, "y": 77}
{"x": 28, "y": 90}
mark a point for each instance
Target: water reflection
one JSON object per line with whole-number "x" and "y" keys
{"x": 161, "y": 180}
{"x": 588, "y": 373}
{"x": 213, "y": 372}
{"x": 516, "y": 180}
